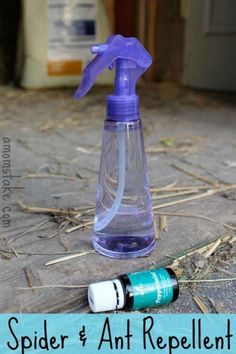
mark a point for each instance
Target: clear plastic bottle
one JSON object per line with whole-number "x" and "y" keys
{"x": 129, "y": 230}
{"x": 123, "y": 225}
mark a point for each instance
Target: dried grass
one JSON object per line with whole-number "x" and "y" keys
{"x": 69, "y": 257}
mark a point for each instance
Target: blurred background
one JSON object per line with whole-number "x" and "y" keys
{"x": 44, "y": 43}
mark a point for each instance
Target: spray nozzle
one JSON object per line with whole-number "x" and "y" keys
{"x": 129, "y": 58}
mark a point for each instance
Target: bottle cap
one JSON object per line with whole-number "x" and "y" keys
{"x": 106, "y": 296}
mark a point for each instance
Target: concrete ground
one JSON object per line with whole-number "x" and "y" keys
{"x": 55, "y": 148}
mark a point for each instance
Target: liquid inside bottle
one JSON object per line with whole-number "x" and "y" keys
{"x": 124, "y": 220}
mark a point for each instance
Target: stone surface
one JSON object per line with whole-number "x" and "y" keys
{"x": 52, "y": 133}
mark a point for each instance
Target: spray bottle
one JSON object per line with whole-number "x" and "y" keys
{"x": 123, "y": 226}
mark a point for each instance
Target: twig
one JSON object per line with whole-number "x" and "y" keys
{"x": 162, "y": 196}
{"x": 171, "y": 195}
{"x": 83, "y": 178}
{"x": 166, "y": 150}
{"x": 29, "y": 276}
{"x": 91, "y": 149}
{"x": 212, "y": 249}
{"x": 5, "y": 255}
{"x": 48, "y": 237}
{"x": 200, "y": 249}
{"x": 200, "y": 304}
{"x": 195, "y": 197}
{"x": 55, "y": 211}
{"x": 74, "y": 220}
{"x": 41, "y": 210}
{"x": 77, "y": 227}
{"x": 53, "y": 286}
{"x": 163, "y": 223}
{"x": 206, "y": 280}
{"x": 170, "y": 188}
{"x": 234, "y": 238}
{"x": 87, "y": 210}
{"x": 28, "y": 231}
{"x": 15, "y": 252}
{"x": 197, "y": 216}
{"x": 67, "y": 258}
{"x": 185, "y": 200}
{"x": 48, "y": 175}
{"x": 25, "y": 253}
{"x": 196, "y": 175}
{"x": 156, "y": 230}
{"x": 224, "y": 271}
{"x": 63, "y": 243}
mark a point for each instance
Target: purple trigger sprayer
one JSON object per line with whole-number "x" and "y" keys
{"x": 123, "y": 226}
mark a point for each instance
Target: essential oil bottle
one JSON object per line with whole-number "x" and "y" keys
{"x": 134, "y": 291}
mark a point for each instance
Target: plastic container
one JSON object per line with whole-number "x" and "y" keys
{"x": 123, "y": 189}
{"x": 134, "y": 291}
{"x": 123, "y": 225}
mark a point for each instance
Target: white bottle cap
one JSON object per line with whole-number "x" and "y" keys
{"x": 106, "y": 296}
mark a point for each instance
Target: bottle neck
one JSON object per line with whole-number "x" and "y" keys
{"x": 128, "y": 293}
{"x": 124, "y": 79}
{"x": 123, "y": 108}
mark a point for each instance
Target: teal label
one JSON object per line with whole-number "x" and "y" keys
{"x": 151, "y": 288}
